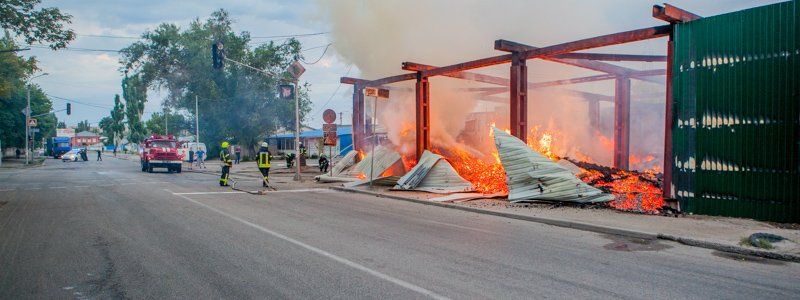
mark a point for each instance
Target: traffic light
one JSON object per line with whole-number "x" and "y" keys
{"x": 69, "y": 108}
{"x": 217, "y": 55}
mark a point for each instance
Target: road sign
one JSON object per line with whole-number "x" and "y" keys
{"x": 329, "y": 127}
{"x": 329, "y": 116}
{"x": 376, "y": 92}
{"x": 31, "y": 122}
{"x": 296, "y": 69}
{"x": 329, "y": 134}
{"x": 286, "y": 91}
{"x": 329, "y": 138}
{"x": 35, "y": 130}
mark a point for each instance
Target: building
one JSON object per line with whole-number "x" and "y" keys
{"x": 312, "y": 139}
{"x": 85, "y": 138}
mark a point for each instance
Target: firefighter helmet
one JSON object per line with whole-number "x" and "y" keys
{"x": 225, "y": 145}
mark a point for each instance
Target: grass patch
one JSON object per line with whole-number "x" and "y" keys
{"x": 760, "y": 243}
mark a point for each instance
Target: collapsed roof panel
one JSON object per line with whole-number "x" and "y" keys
{"x": 377, "y": 163}
{"x": 347, "y": 161}
{"x": 434, "y": 174}
{"x": 532, "y": 176}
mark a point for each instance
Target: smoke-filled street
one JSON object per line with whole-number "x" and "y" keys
{"x": 107, "y": 230}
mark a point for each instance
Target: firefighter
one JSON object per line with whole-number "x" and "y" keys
{"x": 225, "y": 157}
{"x": 263, "y": 162}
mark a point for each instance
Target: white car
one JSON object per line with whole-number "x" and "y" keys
{"x": 72, "y": 155}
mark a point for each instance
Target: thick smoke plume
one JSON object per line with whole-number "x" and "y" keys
{"x": 376, "y": 36}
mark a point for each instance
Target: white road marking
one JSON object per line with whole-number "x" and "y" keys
{"x": 208, "y": 193}
{"x": 59, "y": 187}
{"x": 81, "y": 186}
{"x": 321, "y": 252}
{"x": 303, "y": 190}
{"x": 8, "y": 190}
{"x": 31, "y": 189}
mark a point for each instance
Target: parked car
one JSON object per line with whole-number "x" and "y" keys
{"x": 72, "y": 155}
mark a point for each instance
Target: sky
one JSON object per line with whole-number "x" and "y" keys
{"x": 90, "y": 79}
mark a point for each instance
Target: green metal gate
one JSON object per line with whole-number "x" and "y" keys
{"x": 736, "y": 121}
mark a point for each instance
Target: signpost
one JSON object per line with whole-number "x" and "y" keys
{"x": 375, "y": 93}
{"x": 296, "y": 69}
{"x": 32, "y": 122}
{"x": 329, "y": 135}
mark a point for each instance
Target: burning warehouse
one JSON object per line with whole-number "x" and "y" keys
{"x": 635, "y": 126}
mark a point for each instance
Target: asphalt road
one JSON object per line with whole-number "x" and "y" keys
{"x": 107, "y": 230}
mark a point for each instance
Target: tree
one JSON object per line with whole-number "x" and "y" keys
{"x": 118, "y": 120}
{"x": 14, "y": 73}
{"x": 135, "y": 93}
{"x": 45, "y": 25}
{"x": 235, "y": 103}
{"x": 82, "y": 126}
{"x": 177, "y": 123}
{"x": 106, "y": 124}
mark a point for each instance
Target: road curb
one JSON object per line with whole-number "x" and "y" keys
{"x": 594, "y": 228}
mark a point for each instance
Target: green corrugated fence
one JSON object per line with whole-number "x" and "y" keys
{"x": 736, "y": 121}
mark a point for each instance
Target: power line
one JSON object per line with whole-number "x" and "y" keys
{"x": 78, "y": 49}
{"x": 334, "y": 91}
{"x": 79, "y": 102}
{"x": 289, "y": 35}
{"x": 110, "y": 36}
{"x": 320, "y": 57}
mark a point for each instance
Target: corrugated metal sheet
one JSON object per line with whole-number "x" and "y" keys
{"x": 433, "y": 173}
{"x": 532, "y": 176}
{"x": 385, "y": 159}
{"x": 737, "y": 112}
{"x": 346, "y": 162}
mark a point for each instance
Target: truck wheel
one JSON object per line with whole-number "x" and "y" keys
{"x": 149, "y": 169}
{"x": 178, "y": 169}
{"x": 144, "y": 167}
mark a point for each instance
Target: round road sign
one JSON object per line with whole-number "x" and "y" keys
{"x": 329, "y": 116}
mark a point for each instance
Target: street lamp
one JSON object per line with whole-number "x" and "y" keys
{"x": 28, "y": 118}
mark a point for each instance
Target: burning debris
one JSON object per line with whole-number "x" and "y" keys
{"x": 532, "y": 176}
{"x": 383, "y": 162}
{"x": 433, "y": 173}
{"x": 633, "y": 191}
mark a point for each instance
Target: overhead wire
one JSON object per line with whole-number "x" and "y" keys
{"x": 320, "y": 57}
{"x": 334, "y": 92}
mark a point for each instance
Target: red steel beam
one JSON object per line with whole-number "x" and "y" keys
{"x": 594, "y": 113}
{"x": 622, "y": 127}
{"x": 423, "y": 100}
{"x": 614, "y": 57}
{"x": 504, "y": 45}
{"x": 519, "y": 97}
{"x": 359, "y": 132}
{"x": 672, "y": 14}
{"x": 595, "y": 42}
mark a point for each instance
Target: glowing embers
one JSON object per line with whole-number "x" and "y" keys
{"x": 433, "y": 174}
{"x": 633, "y": 191}
{"x": 532, "y": 176}
{"x": 486, "y": 175}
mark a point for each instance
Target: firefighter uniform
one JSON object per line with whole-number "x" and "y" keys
{"x": 264, "y": 163}
{"x": 225, "y": 157}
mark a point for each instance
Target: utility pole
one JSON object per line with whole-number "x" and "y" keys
{"x": 297, "y": 176}
{"x": 27, "y": 119}
{"x": 166, "y": 123}
{"x": 196, "y": 125}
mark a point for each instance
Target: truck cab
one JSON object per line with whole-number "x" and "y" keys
{"x": 160, "y": 151}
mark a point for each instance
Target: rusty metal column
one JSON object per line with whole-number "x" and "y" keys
{"x": 594, "y": 113}
{"x": 622, "y": 123}
{"x": 666, "y": 187}
{"x": 519, "y": 97}
{"x": 423, "y": 95}
{"x": 358, "y": 117}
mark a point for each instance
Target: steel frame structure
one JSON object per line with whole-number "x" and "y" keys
{"x": 518, "y": 85}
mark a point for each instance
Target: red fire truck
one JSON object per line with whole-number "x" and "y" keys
{"x": 160, "y": 151}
